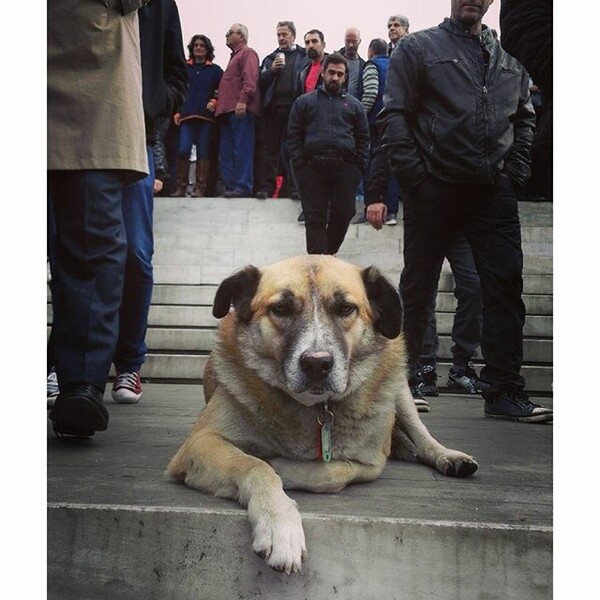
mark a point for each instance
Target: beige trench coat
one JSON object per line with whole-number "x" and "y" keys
{"x": 95, "y": 112}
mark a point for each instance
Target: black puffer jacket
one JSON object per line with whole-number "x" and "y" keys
{"x": 320, "y": 122}
{"x": 445, "y": 114}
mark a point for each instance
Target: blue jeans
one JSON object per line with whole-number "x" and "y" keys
{"x": 236, "y": 153}
{"x": 466, "y": 329}
{"x": 198, "y": 132}
{"x": 138, "y": 207}
{"x": 87, "y": 250}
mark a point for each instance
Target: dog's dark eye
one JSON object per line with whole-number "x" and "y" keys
{"x": 282, "y": 309}
{"x": 345, "y": 309}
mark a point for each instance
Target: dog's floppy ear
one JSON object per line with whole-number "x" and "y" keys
{"x": 385, "y": 303}
{"x": 238, "y": 289}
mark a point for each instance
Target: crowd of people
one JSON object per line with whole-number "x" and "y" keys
{"x": 440, "y": 120}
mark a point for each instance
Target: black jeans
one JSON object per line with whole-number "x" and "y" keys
{"x": 327, "y": 192}
{"x": 273, "y": 152}
{"x": 488, "y": 216}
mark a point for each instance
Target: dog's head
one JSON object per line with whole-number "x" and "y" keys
{"x": 311, "y": 325}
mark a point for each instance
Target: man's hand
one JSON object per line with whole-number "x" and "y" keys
{"x": 177, "y": 119}
{"x": 278, "y": 64}
{"x": 158, "y": 186}
{"x": 376, "y": 214}
{"x": 240, "y": 109}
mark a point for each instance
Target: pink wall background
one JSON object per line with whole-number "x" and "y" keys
{"x": 260, "y": 16}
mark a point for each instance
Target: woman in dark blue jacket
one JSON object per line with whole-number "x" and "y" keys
{"x": 196, "y": 118}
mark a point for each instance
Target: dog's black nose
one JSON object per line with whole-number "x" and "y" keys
{"x": 316, "y": 365}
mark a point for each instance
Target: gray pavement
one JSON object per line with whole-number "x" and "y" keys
{"x": 500, "y": 518}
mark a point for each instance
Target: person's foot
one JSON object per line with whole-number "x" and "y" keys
{"x": 52, "y": 389}
{"x": 428, "y": 385}
{"x": 230, "y": 194}
{"x": 301, "y": 217}
{"x": 420, "y": 402}
{"x": 466, "y": 379}
{"x": 514, "y": 405}
{"x": 127, "y": 388}
{"x": 391, "y": 219}
{"x": 79, "y": 411}
{"x": 262, "y": 195}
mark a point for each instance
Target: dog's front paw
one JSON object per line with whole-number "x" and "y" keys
{"x": 278, "y": 535}
{"x": 453, "y": 463}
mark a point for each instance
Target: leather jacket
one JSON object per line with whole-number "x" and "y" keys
{"x": 449, "y": 115}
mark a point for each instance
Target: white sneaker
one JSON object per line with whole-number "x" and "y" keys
{"x": 391, "y": 219}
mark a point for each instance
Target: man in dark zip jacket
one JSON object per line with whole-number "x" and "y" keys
{"x": 328, "y": 143}
{"x": 457, "y": 127}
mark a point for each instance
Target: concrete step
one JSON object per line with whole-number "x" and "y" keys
{"x": 190, "y": 276}
{"x": 192, "y": 340}
{"x": 190, "y": 366}
{"x": 250, "y": 210}
{"x": 118, "y": 529}
{"x": 201, "y": 316}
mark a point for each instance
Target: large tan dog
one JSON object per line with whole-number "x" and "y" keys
{"x": 303, "y": 389}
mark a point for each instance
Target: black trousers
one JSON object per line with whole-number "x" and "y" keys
{"x": 88, "y": 253}
{"x": 327, "y": 195}
{"x": 488, "y": 217}
{"x": 273, "y": 155}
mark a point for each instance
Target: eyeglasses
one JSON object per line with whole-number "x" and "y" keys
{"x": 230, "y": 32}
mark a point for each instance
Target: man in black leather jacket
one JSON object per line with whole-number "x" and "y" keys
{"x": 457, "y": 126}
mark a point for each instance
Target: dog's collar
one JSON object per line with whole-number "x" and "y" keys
{"x": 325, "y": 420}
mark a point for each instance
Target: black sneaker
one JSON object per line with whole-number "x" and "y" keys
{"x": 514, "y": 405}
{"x": 262, "y": 195}
{"x": 79, "y": 411}
{"x": 420, "y": 402}
{"x": 301, "y": 217}
{"x": 467, "y": 380}
{"x": 428, "y": 385}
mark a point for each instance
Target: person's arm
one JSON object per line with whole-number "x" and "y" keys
{"x": 362, "y": 138}
{"x": 517, "y": 163}
{"x": 296, "y": 132}
{"x": 250, "y": 75}
{"x": 370, "y": 86}
{"x": 401, "y": 103}
{"x": 174, "y": 65}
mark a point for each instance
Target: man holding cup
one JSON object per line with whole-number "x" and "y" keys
{"x": 278, "y": 75}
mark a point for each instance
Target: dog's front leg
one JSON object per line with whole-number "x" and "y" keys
{"x": 429, "y": 451}
{"x": 208, "y": 462}
{"x": 324, "y": 477}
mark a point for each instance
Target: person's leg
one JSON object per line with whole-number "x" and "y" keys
{"x": 138, "y": 207}
{"x": 88, "y": 270}
{"x": 466, "y": 329}
{"x": 392, "y": 199}
{"x": 429, "y": 217}
{"x": 274, "y": 132}
{"x": 202, "y": 141}
{"x": 87, "y": 285}
{"x": 313, "y": 191}
{"x": 226, "y": 152}
{"x": 342, "y": 185}
{"x": 243, "y": 153}
{"x": 494, "y": 232}
{"x": 427, "y": 364}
